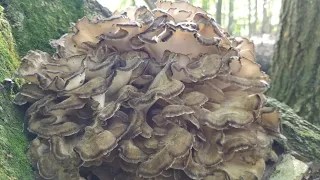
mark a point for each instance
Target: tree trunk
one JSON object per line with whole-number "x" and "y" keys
{"x": 150, "y": 3}
{"x": 230, "y": 22}
{"x": 264, "y": 18}
{"x": 303, "y": 137}
{"x": 295, "y": 72}
{"x": 254, "y": 25}
{"x": 218, "y": 12}
{"x": 249, "y": 18}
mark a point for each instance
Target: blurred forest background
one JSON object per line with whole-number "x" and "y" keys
{"x": 240, "y": 17}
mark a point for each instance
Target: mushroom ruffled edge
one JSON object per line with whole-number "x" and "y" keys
{"x": 163, "y": 94}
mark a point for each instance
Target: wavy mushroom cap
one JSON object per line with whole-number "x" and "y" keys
{"x": 148, "y": 94}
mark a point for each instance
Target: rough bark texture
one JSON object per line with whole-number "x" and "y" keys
{"x": 93, "y": 8}
{"x": 13, "y": 162}
{"x": 35, "y": 22}
{"x": 303, "y": 138}
{"x": 295, "y": 71}
{"x": 25, "y": 25}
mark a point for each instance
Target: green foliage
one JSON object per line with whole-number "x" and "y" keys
{"x": 35, "y": 22}
{"x": 123, "y": 4}
{"x": 205, "y": 4}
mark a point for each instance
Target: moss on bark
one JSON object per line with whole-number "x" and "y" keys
{"x": 303, "y": 137}
{"x": 8, "y": 55}
{"x": 28, "y": 25}
{"x": 35, "y": 22}
{"x": 13, "y": 162}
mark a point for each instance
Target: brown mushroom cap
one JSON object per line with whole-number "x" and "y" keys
{"x": 195, "y": 170}
{"x": 174, "y": 145}
{"x": 161, "y": 87}
{"x": 52, "y": 126}
{"x": 239, "y": 168}
{"x": 29, "y": 93}
{"x": 211, "y": 152}
{"x": 148, "y": 94}
{"x": 131, "y": 153}
{"x": 94, "y": 145}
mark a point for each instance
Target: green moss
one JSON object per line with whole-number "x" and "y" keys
{"x": 13, "y": 162}
{"x": 13, "y": 142}
{"x": 8, "y": 57}
{"x": 32, "y": 23}
{"x": 303, "y": 137}
{"x": 35, "y": 22}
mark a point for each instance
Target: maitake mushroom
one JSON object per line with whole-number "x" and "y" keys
{"x": 161, "y": 94}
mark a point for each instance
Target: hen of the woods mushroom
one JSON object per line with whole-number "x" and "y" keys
{"x": 148, "y": 94}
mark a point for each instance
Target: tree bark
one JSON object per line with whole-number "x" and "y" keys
{"x": 254, "y": 25}
{"x": 295, "y": 71}
{"x": 303, "y": 138}
{"x": 264, "y": 18}
{"x": 150, "y": 3}
{"x": 230, "y": 22}
{"x": 219, "y": 9}
{"x": 249, "y": 18}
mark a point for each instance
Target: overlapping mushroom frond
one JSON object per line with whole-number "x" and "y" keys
{"x": 148, "y": 94}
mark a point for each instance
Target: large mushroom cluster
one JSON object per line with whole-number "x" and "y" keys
{"x": 148, "y": 94}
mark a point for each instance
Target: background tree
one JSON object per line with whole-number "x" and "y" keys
{"x": 266, "y": 24}
{"x": 295, "y": 71}
{"x": 151, "y": 3}
{"x": 219, "y": 11}
{"x": 255, "y": 23}
{"x": 249, "y": 18}
{"x": 231, "y": 20}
